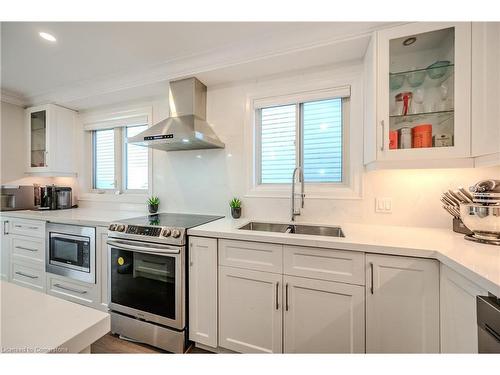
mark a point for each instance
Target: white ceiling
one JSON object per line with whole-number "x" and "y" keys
{"x": 94, "y": 63}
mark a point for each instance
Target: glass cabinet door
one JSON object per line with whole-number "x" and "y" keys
{"x": 421, "y": 90}
{"x": 38, "y": 134}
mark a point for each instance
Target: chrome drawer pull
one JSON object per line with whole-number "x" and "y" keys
{"x": 26, "y": 275}
{"x": 21, "y": 226}
{"x": 26, "y": 248}
{"x": 277, "y": 295}
{"x": 70, "y": 289}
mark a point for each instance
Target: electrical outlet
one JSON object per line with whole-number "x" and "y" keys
{"x": 383, "y": 205}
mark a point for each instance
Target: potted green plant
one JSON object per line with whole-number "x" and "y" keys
{"x": 153, "y": 204}
{"x": 235, "y": 205}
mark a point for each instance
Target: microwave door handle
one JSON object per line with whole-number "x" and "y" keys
{"x": 144, "y": 249}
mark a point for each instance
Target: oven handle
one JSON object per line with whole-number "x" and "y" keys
{"x": 144, "y": 249}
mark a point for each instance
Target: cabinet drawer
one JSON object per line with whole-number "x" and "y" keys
{"x": 30, "y": 228}
{"x": 28, "y": 248}
{"x": 326, "y": 264}
{"x": 31, "y": 276}
{"x": 251, "y": 255}
{"x": 71, "y": 290}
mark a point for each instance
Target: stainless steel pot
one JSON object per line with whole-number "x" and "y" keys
{"x": 483, "y": 220}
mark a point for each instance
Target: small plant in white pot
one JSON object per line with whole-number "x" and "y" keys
{"x": 235, "y": 205}
{"x": 153, "y": 204}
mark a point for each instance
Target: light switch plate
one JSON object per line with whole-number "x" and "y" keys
{"x": 383, "y": 205}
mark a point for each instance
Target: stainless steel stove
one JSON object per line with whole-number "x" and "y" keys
{"x": 147, "y": 282}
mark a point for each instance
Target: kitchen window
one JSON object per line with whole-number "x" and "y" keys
{"x": 308, "y": 134}
{"x": 117, "y": 165}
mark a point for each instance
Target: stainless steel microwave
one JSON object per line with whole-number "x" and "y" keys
{"x": 71, "y": 251}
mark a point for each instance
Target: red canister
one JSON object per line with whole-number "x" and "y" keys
{"x": 393, "y": 139}
{"x": 421, "y": 136}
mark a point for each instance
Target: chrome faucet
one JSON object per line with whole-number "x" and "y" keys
{"x": 302, "y": 195}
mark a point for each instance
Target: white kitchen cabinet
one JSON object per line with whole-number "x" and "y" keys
{"x": 257, "y": 256}
{"x": 5, "y": 249}
{"x": 73, "y": 290}
{"x": 402, "y": 304}
{"x": 419, "y": 115}
{"x": 203, "y": 290}
{"x": 323, "y": 316}
{"x": 485, "y": 90}
{"x": 250, "y": 310}
{"x": 28, "y": 274}
{"x": 458, "y": 312}
{"x": 51, "y": 139}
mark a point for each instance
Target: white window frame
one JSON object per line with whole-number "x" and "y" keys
{"x": 118, "y": 120}
{"x": 291, "y": 93}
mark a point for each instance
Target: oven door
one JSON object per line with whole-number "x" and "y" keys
{"x": 147, "y": 281}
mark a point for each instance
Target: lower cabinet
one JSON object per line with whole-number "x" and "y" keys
{"x": 28, "y": 274}
{"x": 73, "y": 290}
{"x": 250, "y": 310}
{"x": 402, "y": 304}
{"x": 5, "y": 246}
{"x": 323, "y": 316}
{"x": 458, "y": 312}
{"x": 203, "y": 290}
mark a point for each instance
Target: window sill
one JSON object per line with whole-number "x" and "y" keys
{"x": 117, "y": 198}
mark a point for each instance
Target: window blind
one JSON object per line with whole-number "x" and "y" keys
{"x": 322, "y": 140}
{"x": 136, "y": 167}
{"x": 278, "y": 156}
{"x": 104, "y": 159}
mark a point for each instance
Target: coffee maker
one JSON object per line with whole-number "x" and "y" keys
{"x": 55, "y": 197}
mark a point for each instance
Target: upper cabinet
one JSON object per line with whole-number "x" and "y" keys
{"x": 51, "y": 140}
{"x": 418, "y": 95}
{"x": 485, "y": 89}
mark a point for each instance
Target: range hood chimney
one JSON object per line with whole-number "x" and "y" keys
{"x": 186, "y": 128}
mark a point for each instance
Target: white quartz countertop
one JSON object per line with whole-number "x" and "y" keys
{"x": 34, "y": 322}
{"x": 78, "y": 216}
{"x": 479, "y": 263}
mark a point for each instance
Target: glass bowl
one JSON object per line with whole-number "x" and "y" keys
{"x": 396, "y": 81}
{"x": 415, "y": 79}
{"x": 438, "y": 69}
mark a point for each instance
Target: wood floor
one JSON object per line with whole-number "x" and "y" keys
{"x": 112, "y": 344}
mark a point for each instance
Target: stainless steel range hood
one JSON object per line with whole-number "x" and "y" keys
{"x": 186, "y": 128}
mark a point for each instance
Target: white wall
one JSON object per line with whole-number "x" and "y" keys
{"x": 13, "y": 143}
{"x": 204, "y": 181}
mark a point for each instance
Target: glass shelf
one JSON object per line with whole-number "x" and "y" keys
{"x": 422, "y": 70}
{"x": 410, "y": 116}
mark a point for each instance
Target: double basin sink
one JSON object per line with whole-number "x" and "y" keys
{"x": 314, "y": 230}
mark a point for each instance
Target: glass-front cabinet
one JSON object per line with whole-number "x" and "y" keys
{"x": 50, "y": 136}
{"x": 38, "y": 139}
{"x": 423, "y": 91}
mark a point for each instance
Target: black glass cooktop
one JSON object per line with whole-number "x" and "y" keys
{"x": 172, "y": 220}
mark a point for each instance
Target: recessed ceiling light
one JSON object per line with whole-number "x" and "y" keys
{"x": 47, "y": 36}
{"x": 409, "y": 41}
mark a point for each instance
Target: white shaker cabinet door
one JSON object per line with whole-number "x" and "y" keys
{"x": 5, "y": 249}
{"x": 402, "y": 304}
{"x": 323, "y": 316}
{"x": 458, "y": 312}
{"x": 203, "y": 290}
{"x": 250, "y": 314}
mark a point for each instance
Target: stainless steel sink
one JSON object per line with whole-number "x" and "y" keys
{"x": 265, "y": 227}
{"x": 314, "y": 230}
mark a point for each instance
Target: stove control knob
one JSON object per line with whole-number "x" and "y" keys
{"x": 120, "y": 228}
{"x": 166, "y": 232}
{"x": 176, "y": 233}
{"x": 112, "y": 227}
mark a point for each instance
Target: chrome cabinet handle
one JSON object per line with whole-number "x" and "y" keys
{"x": 371, "y": 275}
{"x": 26, "y": 248}
{"x": 70, "y": 289}
{"x": 28, "y": 227}
{"x": 5, "y": 226}
{"x": 382, "y": 147}
{"x": 277, "y": 288}
{"x": 26, "y": 275}
{"x": 286, "y": 296}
